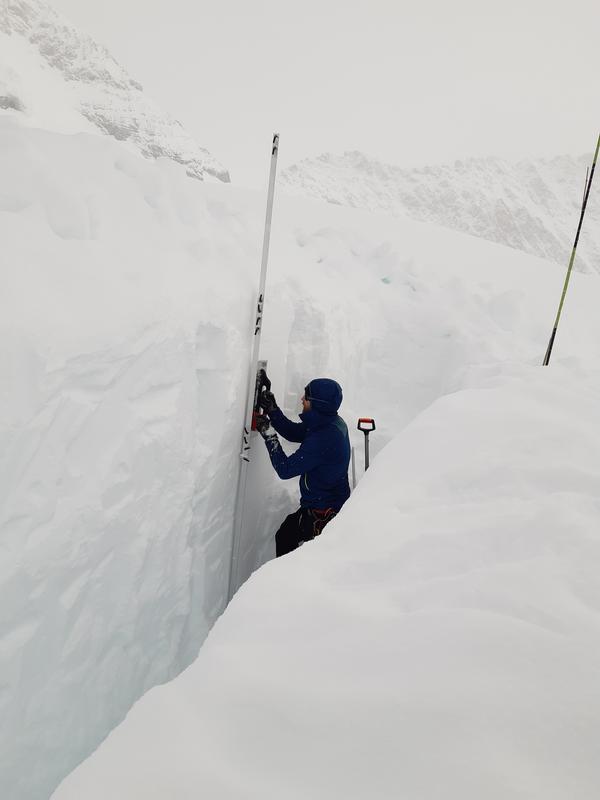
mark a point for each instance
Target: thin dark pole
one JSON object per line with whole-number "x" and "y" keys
{"x": 572, "y": 259}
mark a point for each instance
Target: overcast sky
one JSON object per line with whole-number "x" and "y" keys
{"x": 412, "y": 83}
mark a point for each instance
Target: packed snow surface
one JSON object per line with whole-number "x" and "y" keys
{"x": 55, "y": 77}
{"x": 441, "y": 639}
{"x": 125, "y": 322}
{"x": 532, "y": 205}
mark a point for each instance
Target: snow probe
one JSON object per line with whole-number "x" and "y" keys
{"x": 366, "y": 425}
{"x": 254, "y": 385}
{"x": 586, "y": 194}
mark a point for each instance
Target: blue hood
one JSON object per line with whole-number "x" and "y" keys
{"x": 325, "y": 396}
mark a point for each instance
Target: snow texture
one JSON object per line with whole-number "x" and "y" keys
{"x": 61, "y": 79}
{"x": 531, "y": 205}
{"x": 125, "y": 320}
{"x": 440, "y": 641}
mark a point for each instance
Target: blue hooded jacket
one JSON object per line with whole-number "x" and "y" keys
{"x": 323, "y": 457}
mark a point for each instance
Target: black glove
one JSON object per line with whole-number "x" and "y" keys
{"x": 267, "y": 401}
{"x": 263, "y": 426}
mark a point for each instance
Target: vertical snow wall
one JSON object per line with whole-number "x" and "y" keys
{"x": 125, "y": 335}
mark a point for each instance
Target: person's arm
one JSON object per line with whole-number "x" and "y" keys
{"x": 292, "y": 431}
{"x": 308, "y": 456}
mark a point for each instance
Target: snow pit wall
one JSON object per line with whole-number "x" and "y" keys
{"x": 124, "y": 355}
{"x": 441, "y": 640}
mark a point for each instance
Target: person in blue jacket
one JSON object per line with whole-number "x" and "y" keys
{"x": 321, "y": 461}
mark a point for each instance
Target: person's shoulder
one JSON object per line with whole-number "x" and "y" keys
{"x": 337, "y": 427}
{"x": 340, "y": 424}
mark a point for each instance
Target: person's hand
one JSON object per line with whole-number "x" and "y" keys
{"x": 267, "y": 401}
{"x": 263, "y": 426}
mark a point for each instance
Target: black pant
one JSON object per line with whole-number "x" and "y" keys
{"x": 301, "y": 526}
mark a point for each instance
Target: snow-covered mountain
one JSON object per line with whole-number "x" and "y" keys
{"x": 530, "y": 205}
{"x": 60, "y": 79}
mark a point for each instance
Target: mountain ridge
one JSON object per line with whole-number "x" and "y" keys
{"x": 97, "y": 88}
{"x": 530, "y": 205}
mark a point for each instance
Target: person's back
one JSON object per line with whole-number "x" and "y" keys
{"x": 321, "y": 461}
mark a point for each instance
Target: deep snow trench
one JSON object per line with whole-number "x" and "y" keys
{"x": 125, "y": 335}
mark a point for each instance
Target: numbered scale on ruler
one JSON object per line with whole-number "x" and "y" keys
{"x": 254, "y": 387}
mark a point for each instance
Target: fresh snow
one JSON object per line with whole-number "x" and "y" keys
{"x": 124, "y": 317}
{"x": 441, "y": 640}
{"x": 449, "y": 612}
{"x": 531, "y": 205}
